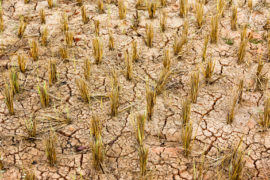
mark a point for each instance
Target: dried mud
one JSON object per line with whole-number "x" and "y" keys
{"x": 212, "y": 135}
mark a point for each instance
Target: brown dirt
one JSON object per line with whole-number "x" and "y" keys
{"x": 166, "y": 160}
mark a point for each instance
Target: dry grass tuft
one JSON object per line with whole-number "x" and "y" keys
{"x": 97, "y": 29}
{"x": 186, "y": 109}
{"x": 139, "y": 129}
{"x": 135, "y": 55}
{"x": 183, "y": 4}
{"x": 85, "y": 19}
{"x": 143, "y": 156}
{"x": 186, "y": 137}
{"x": 208, "y": 70}
{"x": 95, "y": 127}
{"x": 129, "y": 65}
{"x": 167, "y": 59}
{"x": 237, "y": 163}
{"x": 180, "y": 42}
{"x": 261, "y": 79}
{"x": 87, "y": 69}
{"x": 14, "y": 81}
{"x": 98, "y": 152}
{"x": 139, "y": 3}
{"x": 163, "y": 3}
{"x": 234, "y": 18}
{"x": 214, "y": 29}
{"x": 122, "y": 9}
{"x": 8, "y": 94}
{"x": 231, "y": 113}
{"x": 69, "y": 38}
{"x": 114, "y": 95}
{"x": 111, "y": 41}
{"x": 22, "y": 63}
{"x": 34, "y": 50}
{"x": 150, "y": 101}
{"x": 163, "y": 21}
{"x": 264, "y": 120}
{"x": 22, "y": 27}
{"x": 243, "y": 44}
{"x": 31, "y": 127}
{"x": 83, "y": 89}
{"x": 30, "y": 175}
{"x": 42, "y": 16}
{"x": 43, "y": 95}
{"x": 206, "y": 40}
{"x": 63, "y": 52}
{"x": 50, "y": 148}
{"x": 1, "y": 23}
{"x": 64, "y": 22}
{"x": 52, "y": 73}
{"x": 151, "y": 7}
{"x": 149, "y": 35}
{"x": 44, "y": 37}
{"x": 50, "y": 4}
{"x": 220, "y": 7}
{"x": 163, "y": 79}
{"x": 98, "y": 50}
{"x": 199, "y": 13}
{"x": 250, "y": 5}
{"x": 240, "y": 90}
{"x": 100, "y": 6}
{"x": 194, "y": 81}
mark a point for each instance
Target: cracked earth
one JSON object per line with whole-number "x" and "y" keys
{"x": 212, "y": 135}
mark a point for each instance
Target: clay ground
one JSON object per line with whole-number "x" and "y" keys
{"x": 213, "y": 137}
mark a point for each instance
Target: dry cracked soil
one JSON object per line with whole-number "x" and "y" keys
{"x": 212, "y": 137}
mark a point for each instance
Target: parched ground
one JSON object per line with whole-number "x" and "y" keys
{"x": 213, "y": 137}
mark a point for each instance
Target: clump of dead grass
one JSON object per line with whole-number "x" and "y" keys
{"x": 111, "y": 41}
{"x": 87, "y": 68}
{"x": 208, "y": 70}
{"x": 50, "y": 148}
{"x": 8, "y": 94}
{"x": 183, "y": 4}
{"x": 150, "y": 101}
{"x": 14, "y": 80}
{"x": 98, "y": 49}
{"x": 129, "y": 65}
{"x": 122, "y": 9}
{"x": 243, "y": 45}
{"x": 180, "y": 42}
{"x": 52, "y": 72}
{"x": 194, "y": 81}
{"x": 214, "y": 29}
{"x": 114, "y": 95}
{"x": 22, "y": 27}
{"x": 163, "y": 21}
{"x": 149, "y": 35}
{"x": 22, "y": 63}
{"x": 83, "y": 89}
{"x": 151, "y": 7}
{"x": 34, "y": 50}
{"x": 186, "y": 137}
{"x": 31, "y": 127}
{"x": 85, "y": 19}
{"x": 43, "y": 95}
{"x": 42, "y": 16}
{"x": 234, "y": 18}
{"x": 44, "y": 37}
